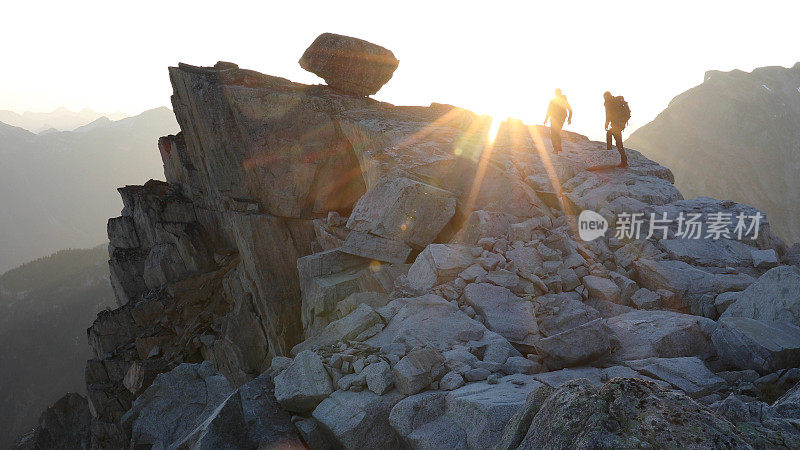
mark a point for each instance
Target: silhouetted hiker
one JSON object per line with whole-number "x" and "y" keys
{"x": 558, "y": 111}
{"x": 617, "y": 115}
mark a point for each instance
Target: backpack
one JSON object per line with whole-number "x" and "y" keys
{"x": 622, "y": 111}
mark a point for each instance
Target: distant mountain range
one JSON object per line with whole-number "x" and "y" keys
{"x": 45, "y": 307}
{"x": 736, "y": 136}
{"x": 57, "y": 189}
{"x": 61, "y": 119}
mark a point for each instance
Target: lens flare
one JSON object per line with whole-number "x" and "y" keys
{"x": 493, "y": 129}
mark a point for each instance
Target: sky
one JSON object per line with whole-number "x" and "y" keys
{"x": 499, "y": 58}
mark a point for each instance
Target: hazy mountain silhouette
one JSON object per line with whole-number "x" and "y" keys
{"x": 735, "y": 136}
{"x": 59, "y": 119}
{"x": 45, "y": 307}
{"x": 58, "y": 189}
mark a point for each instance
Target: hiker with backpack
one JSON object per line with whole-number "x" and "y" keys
{"x": 618, "y": 113}
{"x": 558, "y": 111}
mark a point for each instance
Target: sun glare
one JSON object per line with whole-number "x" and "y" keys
{"x": 494, "y": 128}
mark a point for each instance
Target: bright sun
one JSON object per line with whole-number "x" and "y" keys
{"x": 494, "y": 128}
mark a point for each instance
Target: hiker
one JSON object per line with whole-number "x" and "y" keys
{"x": 558, "y": 111}
{"x": 618, "y": 113}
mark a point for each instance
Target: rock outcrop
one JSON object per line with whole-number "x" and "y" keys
{"x": 407, "y": 279}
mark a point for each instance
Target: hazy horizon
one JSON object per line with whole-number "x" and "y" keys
{"x": 63, "y": 118}
{"x": 501, "y": 59}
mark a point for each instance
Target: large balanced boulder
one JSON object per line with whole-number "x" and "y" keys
{"x": 348, "y": 64}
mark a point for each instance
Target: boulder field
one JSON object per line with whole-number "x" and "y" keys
{"x": 324, "y": 269}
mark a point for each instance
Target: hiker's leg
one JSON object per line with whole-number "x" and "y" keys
{"x": 555, "y": 136}
{"x": 608, "y": 140}
{"x": 621, "y": 148}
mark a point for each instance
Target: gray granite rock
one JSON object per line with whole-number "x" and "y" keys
{"x": 250, "y": 417}
{"x": 304, "y": 384}
{"x": 775, "y": 296}
{"x": 625, "y": 413}
{"x": 602, "y": 288}
{"x": 378, "y": 376}
{"x": 175, "y": 404}
{"x": 745, "y": 343}
{"x": 764, "y": 259}
{"x": 417, "y": 370}
{"x": 503, "y": 312}
{"x": 575, "y": 346}
{"x": 688, "y": 373}
{"x": 645, "y": 334}
{"x": 347, "y": 328}
{"x": 472, "y": 416}
{"x": 359, "y": 419}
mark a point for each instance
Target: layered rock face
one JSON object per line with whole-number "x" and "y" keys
{"x": 408, "y": 279}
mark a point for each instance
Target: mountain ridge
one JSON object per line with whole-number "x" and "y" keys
{"x": 61, "y": 118}
{"x": 718, "y": 125}
{"x": 58, "y": 187}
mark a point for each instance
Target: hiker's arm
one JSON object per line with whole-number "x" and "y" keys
{"x": 608, "y": 121}
{"x": 569, "y": 117}
{"x": 546, "y": 117}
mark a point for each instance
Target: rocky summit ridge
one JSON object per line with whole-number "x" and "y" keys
{"x": 328, "y": 270}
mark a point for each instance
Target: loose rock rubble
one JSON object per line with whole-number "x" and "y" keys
{"x": 407, "y": 281}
